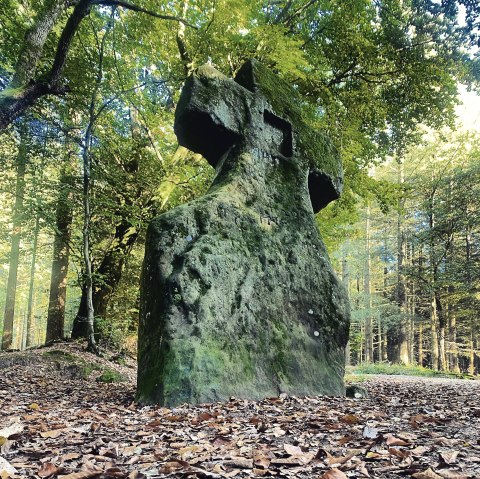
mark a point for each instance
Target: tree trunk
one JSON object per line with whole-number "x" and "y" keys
{"x": 346, "y": 281}
{"x": 442, "y": 350}
{"x": 90, "y": 314}
{"x": 452, "y": 339}
{"x": 401, "y": 349}
{"x": 30, "y": 322}
{"x": 434, "y": 332}
{"x": 34, "y": 41}
{"x": 61, "y": 253}
{"x": 9, "y": 315}
{"x": 368, "y": 294}
{"x": 420, "y": 344}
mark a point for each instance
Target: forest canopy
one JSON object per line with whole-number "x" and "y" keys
{"x": 88, "y": 154}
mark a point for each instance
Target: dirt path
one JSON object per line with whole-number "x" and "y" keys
{"x": 55, "y": 423}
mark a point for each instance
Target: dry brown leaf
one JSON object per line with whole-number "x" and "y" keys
{"x": 362, "y": 469}
{"x": 451, "y": 474}
{"x": 427, "y": 474}
{"x": 86, "y": 474}
{"x": 173, "y": 418}
{"x": 448, "y": 457}
{"x": 262, "y": 458}
{"x": 395, "y": 441}
{"x": 173, "y": 466}
{"x": 350, "y": 419}
{"x": 419, "y": 451}
{"x": 115, "y": 471}
{"x": 334, "y": 474}
{"x": 49, "y": 469}
{"x": 52, "y": 434}
{"x": 239, "y": 463}
{"x": 401, "y": 453}
{"x": 341, "y": 459}
{"x": 293, "y": 450}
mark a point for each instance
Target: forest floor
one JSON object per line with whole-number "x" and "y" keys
{"x": 61, "y": 417}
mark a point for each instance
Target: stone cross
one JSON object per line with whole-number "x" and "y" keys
{"x": 258, "y": 110}
{"x": 238, "y": 297}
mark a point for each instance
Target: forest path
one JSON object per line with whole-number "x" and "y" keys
{"x": 55, "y": 422}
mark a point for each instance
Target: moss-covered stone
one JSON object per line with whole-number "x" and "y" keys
{"x": 238, "y": 296}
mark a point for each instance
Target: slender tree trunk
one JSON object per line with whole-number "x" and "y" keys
{"x": 420, "y": 344}
{"x": 30, "y": 320}
{"x": 86, "y": 160}
{"x": 452, "y": 338}
{"x": 90, "y": 316}
{"x": 434, "y": 320}
{"x": 8, "y": 319}
{"x": 471, "y": 350}
{"x": 434, "y": 332}
{"x": 412, "y": 311}
{"x": 61, "y": 254}
{"x": 181, "y": 44}
{"x": 442, "y": 350}
{"x": 346, "y": 281}
{"x": 368, "y": 294}
{"x": 401, "y": 348}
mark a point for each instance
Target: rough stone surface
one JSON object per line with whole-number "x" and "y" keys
{"x": 238, "y": 295}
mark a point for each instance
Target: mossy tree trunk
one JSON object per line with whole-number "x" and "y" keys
{"x": 61, "y": 254}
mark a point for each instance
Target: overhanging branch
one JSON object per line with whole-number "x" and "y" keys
{"x": 136, "y": 8}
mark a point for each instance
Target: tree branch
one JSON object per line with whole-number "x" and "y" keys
{"x": 135, "y": 8}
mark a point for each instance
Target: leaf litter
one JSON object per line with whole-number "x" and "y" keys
{"x": 52, "y": 426}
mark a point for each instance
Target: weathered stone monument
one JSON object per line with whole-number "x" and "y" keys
{"x": 238, "y": 295}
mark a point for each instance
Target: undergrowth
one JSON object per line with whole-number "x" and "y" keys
{"x": 355, "y": 372}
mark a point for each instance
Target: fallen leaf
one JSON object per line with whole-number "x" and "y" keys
{"x": 6, "y": 469}
{"x": 370, "y": 432}
{"x": 292, "y": 450}
{"x": 49, "y": 469}
{"x": 428, "y": 474}
{"x": 395, "y": 441}
{"x": 401, "y": 453}
{"x": 239, "y": 463}
{"x": 334, "y": 474}
{"x": 12, "y": 430}
{"x": 350, "y": 419}
{"x": 53, "y": 433}
{"x": 87, "y": 474}
{"x": 451, "y": 474}
{"x": 173, "y": 466}
{"x": 448, "y": 458}
{"x": 341, "y": 459}
{"x": 34, "y": 406}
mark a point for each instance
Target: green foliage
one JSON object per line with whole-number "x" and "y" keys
{"x": 396, "y": 370}
{"x": 110, "y": 376}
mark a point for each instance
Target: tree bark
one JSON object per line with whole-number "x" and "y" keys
{"x": 34, "y": 41}
{"x": 61, "y": 254}
{"x": 30, "y": 322}
{"x": 11, "y": 289}
{"x": 346, "y": 281}
{"x": 368, "y": 294}
{"x": 401, "y": 338}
